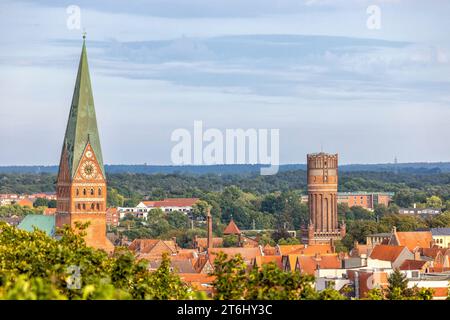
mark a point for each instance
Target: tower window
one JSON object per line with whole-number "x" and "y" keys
{"x": 92, "y": 206}
{"x": 84, "y": 205}
{"x": 99, "y": 191}
{"x": 78, "y": 192}
{"x": 79, "y": 206}
{"x": 92, "y": 192}
{"x": 84, "y": 192}
{"x": 98, "y": 206}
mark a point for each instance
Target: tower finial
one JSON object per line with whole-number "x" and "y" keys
{"x": 84, "y": 34}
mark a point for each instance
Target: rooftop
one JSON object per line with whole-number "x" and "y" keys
{"x": 41, "y": 222}
{"x": 440, "y": 231}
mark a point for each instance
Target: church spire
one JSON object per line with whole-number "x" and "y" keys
{"x": 82, "y": 124}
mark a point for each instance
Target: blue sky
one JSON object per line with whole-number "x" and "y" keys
{"x": 310, "y": 68}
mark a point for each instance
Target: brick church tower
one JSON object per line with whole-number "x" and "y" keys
{"x": 81, "y": 181}
{"x": 322, "y": 170}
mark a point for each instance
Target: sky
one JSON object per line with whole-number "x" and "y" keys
{"x": 313, "y": 69}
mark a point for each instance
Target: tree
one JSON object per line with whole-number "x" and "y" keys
{"x": 35, "y": 266}
{"x": 230, "y": 240}
{"x": 230, "y": 277}
{"x": 200, "y": 210}
{"x": 268, "y": 282}
{"x": 398, "y": 286}
{"x": 114, "y": 198}
{"x": 434, "y": 202}
{"x": 40, "y": 202}
{"x": 178, "y": 220}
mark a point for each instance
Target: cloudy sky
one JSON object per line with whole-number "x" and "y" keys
{"x": 311, "y": 68}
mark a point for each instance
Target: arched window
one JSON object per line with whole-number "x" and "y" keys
{"x": 84, "y": 192}
{"x": 98, "y": 206}
{"x": 78, "y": 192}
{"x": 79, "y": 206}
{"x": 92, "y": 191}
{"x": 92, "y": 206}
{"x": 99, "y": 191}
{"x": 84, "y": 205}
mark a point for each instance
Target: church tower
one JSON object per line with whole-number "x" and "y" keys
{"x": 322, "y": 171}
{"x": 81, "y": 181}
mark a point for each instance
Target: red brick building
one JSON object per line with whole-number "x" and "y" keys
{"x": 81, "y": 181}
{"x": 322, "y": 171}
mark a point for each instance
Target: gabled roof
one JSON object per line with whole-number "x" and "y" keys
{"x": 232, "y": 228}
{"x": 248, "y": 254}
{"x": 217, "y": 242}
{"x": 309, "y": 264}
{"x": 289, "y": 248}
{"x": 269, "y": 250}
{"x": 41, "y": 222}
{"x": 314, "y": 249}
{"x": 414, "y": 239}
{"x": 413, "y": 264}
{"x": 261, "y": 260}
{"x": 82, "y": 123}
{"x": 386, "y": 252}
{"x": 147, "y": 246}
{"x": 432, "y": 252}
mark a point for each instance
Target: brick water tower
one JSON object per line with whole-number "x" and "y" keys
{"x": 322, "y": 199}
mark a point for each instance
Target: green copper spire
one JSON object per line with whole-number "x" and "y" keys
{"x": 82, "y": 123}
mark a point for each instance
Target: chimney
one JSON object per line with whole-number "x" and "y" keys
{"x": 209, "y": 225}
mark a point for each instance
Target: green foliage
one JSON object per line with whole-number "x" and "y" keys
{"x": 434, "y": 202}
{"x": 16, "y": 210}
{"x": 290, "y": 240}
{"x": 230, "y": 240}
{"x": 114, "y": 199}
{"x": 40, "y": 202}
{"x": 234, "y": 281}
{"x": 35, "y": 266}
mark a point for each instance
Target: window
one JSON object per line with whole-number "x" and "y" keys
{"x": 78, "y": 192}
{"x": 84, "y": 192}
{"x": 92, "y": 205}
{"x": 79, "y": 206}
{"x": 98, "y": 206}
{"x": 84, "y": 205}
{"x": 99, "y": 191}
{"x": 92, "y": 192}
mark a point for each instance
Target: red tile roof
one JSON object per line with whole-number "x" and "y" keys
{"x": 248, "y": 254}
{"x": 414, "y": 239}
{"x": 232, "y": 228}
{"x": 432, "y": 252}
{"x": 269, "y": 250}
{"x": 147, "y": 247}
{"x": 386, "y": 253}
{"x": 413, "y": 264}
{"x": 172, "y": 202}
{"x": 25, "y": 202}
{"x": 261, "y": 260}
{"x": 314, "y": 249}
{"x": 203, "y": 242}
{"x": 309, "y": 264}
{"x": 288, "y": 248}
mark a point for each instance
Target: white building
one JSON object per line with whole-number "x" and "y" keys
{"x": 166, "y": 205}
